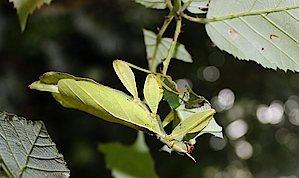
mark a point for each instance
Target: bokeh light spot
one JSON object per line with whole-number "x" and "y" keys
{"x": 294, "y": 117}
{"x": 216, "y": 59}
{"x": 282, "y": 135}
{"x": 291, "y": 107}
{"x": 211, "y": 73}
{"x": 236, "y": 129}
{"x": 224, "y": 101}
{"x": 217, "y": 143}
{"x": 293, "y": 143}
{"x": 270, "y": 115}
{"x": 244, "y": 149}
{"x": 183, "y": 82}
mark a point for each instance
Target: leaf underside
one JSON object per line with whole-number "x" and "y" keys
{"x": 27, "y": 150}
{"x": 264, "y": 31}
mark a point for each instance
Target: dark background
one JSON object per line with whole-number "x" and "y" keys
{"x": 84, "y": 37}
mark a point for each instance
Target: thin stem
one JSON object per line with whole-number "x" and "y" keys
{"x": 173, "y": 44}
{"x": 232, "y": 16}
{"x": 139, "y": 68}
{"x": 167, "y": 21}
{"x": 195, "y": 19}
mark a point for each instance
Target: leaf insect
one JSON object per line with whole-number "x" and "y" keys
{"x": 115, "y": 106}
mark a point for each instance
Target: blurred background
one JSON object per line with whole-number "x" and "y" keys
{"x": 257, "y": 107}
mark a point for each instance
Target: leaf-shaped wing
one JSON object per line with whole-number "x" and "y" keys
{"x": 26, "y": 7}
{"x": 263, "y": 31}
{"x": 27, "y": 150}
{"x": 116, "y": 103}
{"x": 86, "y": 95}
{"x": 212, "y": 128}
{"x": 150, "y": 37}
{"x": 194, "y": 123}
{"x": 152, "y": 92}
{"x": 126, "y": 75}
{"x": 73, "y": 103}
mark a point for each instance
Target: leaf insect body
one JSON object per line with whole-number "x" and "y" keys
{"x": 115, "y": 106}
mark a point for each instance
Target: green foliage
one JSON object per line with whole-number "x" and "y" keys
{"x": 26, "y": 7}
{"x": 26, "y": 149}
{"x": 129, "y": 161}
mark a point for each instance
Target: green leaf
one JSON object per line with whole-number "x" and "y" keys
{"x": 129, "y": 161}
{"x": 126, "y": 75}
{"x": 26, "y": 7}
{"x": 152, "y": 92}
{"x": 180, "y": 52}
{"x": 27, "y": 150}
{"x": 262, "y": 31}
{"x": 155, "y": 4}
